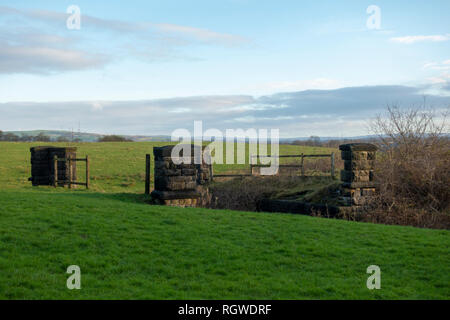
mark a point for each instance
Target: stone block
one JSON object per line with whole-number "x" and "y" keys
{"x": 170, "y": 172}
{"x": 190, "y": 185}
{"x": 367, "y": 192}
{"x": 351, "y": 165}
{"x": 161, "y": 164}
{"x": 356, "y": 176}
{"x": 366, "y": 184}
{"x": 358, "y": 155}
{"x": 188, "y": 172}
{"x": 359, "y": 201}
{"x": 358, "y": 147}
{"x": 166, "y": 151}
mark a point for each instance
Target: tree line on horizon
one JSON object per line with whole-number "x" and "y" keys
{"x": 315, "y": 141}
{"x": 8, "y": 136}
{"x": 42, "y": 137}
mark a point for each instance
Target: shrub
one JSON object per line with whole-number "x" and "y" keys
{"x": 245, "y": 193}
{"x": 41, "y": 137}
{"x": 113, "y": 138}
{"x": 62, "y": 139}
{"x": 413, "y": 169}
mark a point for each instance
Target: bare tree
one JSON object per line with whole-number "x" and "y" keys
{"x": 413, "y": 170}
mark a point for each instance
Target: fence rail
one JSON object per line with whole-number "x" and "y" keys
{"x": 301, "y": 166}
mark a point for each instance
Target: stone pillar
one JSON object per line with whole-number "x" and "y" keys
{"x": 357, "y": 176}
{"x": 42, "y": 165}
{"x": 181, "y": 185}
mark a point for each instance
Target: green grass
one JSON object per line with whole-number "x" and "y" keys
{"x": 127, "y": 249}
{"x": 115, "y": 167}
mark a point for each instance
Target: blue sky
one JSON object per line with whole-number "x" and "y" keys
{"x": 195, "y": 58}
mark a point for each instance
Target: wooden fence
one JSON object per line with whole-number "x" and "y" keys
{"x": 69, "y": 174}
{"x": 300, "y": 166}
{"x": 147, "y": 173}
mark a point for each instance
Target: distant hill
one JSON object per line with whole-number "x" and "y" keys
{"x": 55, "y": 134}
{"x": 289, "y": 140}
{"x": 84, "y": 136}
{"x": 93, "y": 137}
{"x": 149, "y": 138}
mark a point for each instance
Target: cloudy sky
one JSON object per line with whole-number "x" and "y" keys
{"x": 149, "y": 67}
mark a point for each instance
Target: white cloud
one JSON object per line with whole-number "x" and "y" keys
{"x": 420, "y": 38}
{"x": 304, "y": 113}
{"x": 56, "y": 18}
{"x": 437, "y": 80}
{"x": 307, "y": 84}
{"x": 199, "y": 34}
{"x": 253, "y": 107}
{"x": 441, "y": 66}
{"x": 429, "y": 65}
{"x": 24, "y": 50}
{"x": 252, "y": 119}
{"x": 97, "y": 106}
{"x": 180, "y": 110}
{"x": 440, "y": 79}
{"x": 42, "y": 59}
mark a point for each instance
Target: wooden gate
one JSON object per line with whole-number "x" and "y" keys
{"x": 300, "y": 166}
{"x": 69, "y": 181}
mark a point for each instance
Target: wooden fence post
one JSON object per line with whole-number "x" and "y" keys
{"x": 303, "y": 165}
{"x": 55, "y": 170}
{"x": 211, "y": 170}
{"x": 87, "y": 172}
{"x": 70, "y": 171}
{"x": 147, "y": 174}
{"x": 332, "y": 164}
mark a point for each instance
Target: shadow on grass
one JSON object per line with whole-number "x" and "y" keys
{"x": 123, "y": 197}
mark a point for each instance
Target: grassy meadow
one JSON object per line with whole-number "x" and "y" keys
{"x": 128, "y": 249}
{"x": 115, "y": 167}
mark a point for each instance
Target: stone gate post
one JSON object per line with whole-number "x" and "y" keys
{"x": 358, "y": 174}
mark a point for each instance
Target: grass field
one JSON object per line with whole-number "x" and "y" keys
{"x": 127, "y": 249}
{"x": 115, "y": 167}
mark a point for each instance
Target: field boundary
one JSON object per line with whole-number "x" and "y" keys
{"x": 300, "y": 166}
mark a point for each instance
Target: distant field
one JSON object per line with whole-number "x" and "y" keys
{"x": 128, "y": 249}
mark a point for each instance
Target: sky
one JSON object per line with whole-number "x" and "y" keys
{"x": 150, "y": 67}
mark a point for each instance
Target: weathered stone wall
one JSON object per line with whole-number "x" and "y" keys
{"x": 42, "y": 165}
{"x": 358, "y": 173}
{"x": 181, "y": 184}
